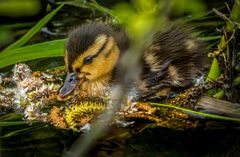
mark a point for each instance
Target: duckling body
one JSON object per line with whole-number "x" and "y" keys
{"x": 172, "y": 60}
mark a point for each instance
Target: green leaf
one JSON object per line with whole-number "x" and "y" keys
{"x": 209, "y": 38}
{"x": 208, "y": 115}
{"x": 234, "y": 17}
{"x": 236, "y": 81}
{"x": 11, "y": 117}
{"x": 17, "y": 132}
{"x": 91, "y": 5}
{"x": 219, "y": 94}
{"x": 17, "y": 25}
{"x": 23, "y": 40}
{"x": 214, "y": 71}
{"x": 53, "y": 48}
{"x": 12, "y": 123}
{"x": 189, "y": 6}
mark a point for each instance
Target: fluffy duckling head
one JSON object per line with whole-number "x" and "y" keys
{"x": 91, "y": 54}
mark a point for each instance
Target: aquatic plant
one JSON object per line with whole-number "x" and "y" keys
{"x": 83, "y": 112}
{"x": 29, "y": 93}
{"x": 57, "y": 117}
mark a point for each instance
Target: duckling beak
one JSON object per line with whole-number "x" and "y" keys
{"x": 70, "y": 83}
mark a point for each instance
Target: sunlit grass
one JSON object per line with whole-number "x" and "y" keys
{"x": 48, "y": 49}
{"x": 197, "y": 113}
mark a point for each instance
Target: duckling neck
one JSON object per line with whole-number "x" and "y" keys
{"x": 98, "y": 87}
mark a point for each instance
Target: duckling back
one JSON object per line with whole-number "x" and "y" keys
{"x": 174, "y": 59}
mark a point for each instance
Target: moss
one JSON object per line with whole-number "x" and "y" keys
{"x": 83, "y": 112}
{"x": 57, "y": 117}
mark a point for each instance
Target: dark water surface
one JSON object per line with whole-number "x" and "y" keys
{"x": 152, "y": 142}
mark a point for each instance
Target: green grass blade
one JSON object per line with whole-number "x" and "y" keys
{"x": 207, "y": 115}
{"x": 95, "y": 5}
{"x": 12, "y": 123}
{"x": 219, "y": 95}
{"x": 91, "y": 5}
{"x": 23, "y": 40}
{"x": 17, "y": 25}
{"x": 11, "y": 117}
{"x": 235, "y": 17}
{"x": 53, "y": 48}
{"x": 17, "y": 132}
{"x": 209, "y": 38}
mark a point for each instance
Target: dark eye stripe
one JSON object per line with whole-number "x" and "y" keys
{"x": 93, "y": 56}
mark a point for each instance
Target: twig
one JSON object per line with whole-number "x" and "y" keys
{"x": 221, "y": 15}
{"x": 219, "y": 106}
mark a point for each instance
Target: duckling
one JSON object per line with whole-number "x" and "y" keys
{"x": 172, "y": 60}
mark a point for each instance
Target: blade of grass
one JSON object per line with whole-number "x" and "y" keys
{"x": 12, "y": 123}
{"x": 13, "y": 133}
{"x": 53, "y": 48}
{"x": 209, "y": 38}
{"x": 17, "y": 25}
{"x": 32, "y": 129}
{"x": 234, "y": 16}
{"x": 219, "y": 95}
{"x": 23, "y": 40}
{"x": 208, "y": 115}
{"x": 91, "y": 5}
{"x": 11, "y": 117}
{"x": 95, "y": 5}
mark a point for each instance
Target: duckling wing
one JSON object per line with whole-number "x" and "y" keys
{"x": 173, "y": 59}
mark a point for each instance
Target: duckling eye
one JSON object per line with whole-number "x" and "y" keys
{"x": 88, "y": 60}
